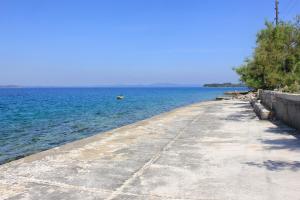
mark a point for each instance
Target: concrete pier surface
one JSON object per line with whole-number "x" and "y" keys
{"x": 210, "y": 150}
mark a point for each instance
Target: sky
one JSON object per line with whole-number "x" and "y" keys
{"x": 129, "y": 42}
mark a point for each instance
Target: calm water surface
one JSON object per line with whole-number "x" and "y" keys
{"x": 36, "y": 119}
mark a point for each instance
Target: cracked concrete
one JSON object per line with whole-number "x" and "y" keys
{"x": 209, "y": 150}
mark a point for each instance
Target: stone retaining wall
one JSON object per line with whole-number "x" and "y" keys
{"x": 286, "y": 107}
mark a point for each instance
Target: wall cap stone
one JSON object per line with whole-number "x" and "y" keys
{"x": 283, "y": 95}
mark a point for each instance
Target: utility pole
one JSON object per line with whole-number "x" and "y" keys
{"x": 276, "y": 12}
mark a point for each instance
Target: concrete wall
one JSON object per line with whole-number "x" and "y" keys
{"x": 285, "y": 106}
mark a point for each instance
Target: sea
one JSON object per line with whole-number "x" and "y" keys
{"x": 37, "y": 119}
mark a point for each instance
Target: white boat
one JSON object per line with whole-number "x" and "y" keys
{"x": 120, "y": 97}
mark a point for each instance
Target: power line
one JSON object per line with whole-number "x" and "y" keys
{"x": 292, "y": 4}
{"x": 291, "y": 7}
{"x": 287, "y": 6}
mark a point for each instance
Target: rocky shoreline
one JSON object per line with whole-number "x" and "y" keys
{"x": 237, "y": 95}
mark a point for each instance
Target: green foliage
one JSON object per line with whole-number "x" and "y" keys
{"x": 275, "y": 63}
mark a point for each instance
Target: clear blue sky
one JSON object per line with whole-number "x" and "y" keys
{"x": 86, "y": 42}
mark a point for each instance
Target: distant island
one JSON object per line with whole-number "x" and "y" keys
{"x": 10, "y": 86}
{"x": 224, "y": 85}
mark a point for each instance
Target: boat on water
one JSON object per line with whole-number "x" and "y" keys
{"x": 120, "y": 97}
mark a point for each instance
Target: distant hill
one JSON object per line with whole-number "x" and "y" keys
{"x": 224, "y": 85}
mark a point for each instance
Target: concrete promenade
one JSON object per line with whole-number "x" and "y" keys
{"x": 211, "y": 150}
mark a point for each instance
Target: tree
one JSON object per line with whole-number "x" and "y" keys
{"x": 275, "y": 63}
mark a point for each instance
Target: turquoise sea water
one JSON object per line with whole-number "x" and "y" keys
{"x": 36, "y": 119}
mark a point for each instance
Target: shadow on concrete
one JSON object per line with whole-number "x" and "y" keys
{"x": 277, "y": 165}
{"x": 246, "y": 114}
{"x": 240, "y": 117}
{"x": 245, "y": 103}
{"x": 292, "y": 143}
{"x": 283, "y": 127}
